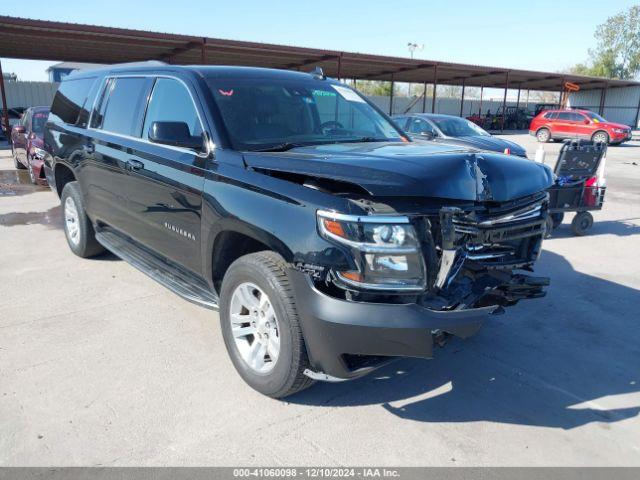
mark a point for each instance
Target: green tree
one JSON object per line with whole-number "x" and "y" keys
{"x": 374, "y": 87}
{"x": 617, "y": 54}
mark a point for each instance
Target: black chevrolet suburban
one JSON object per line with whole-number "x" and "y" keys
{"x": 328, "y": 241}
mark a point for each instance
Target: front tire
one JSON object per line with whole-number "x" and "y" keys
{"x": 77, "y": 227}
{"x": 600, "y": 137}
{"x": 543, "y": 135}
{"x": 260, "y": 325}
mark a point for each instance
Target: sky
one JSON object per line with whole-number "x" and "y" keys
{"x": 543, "y": 35}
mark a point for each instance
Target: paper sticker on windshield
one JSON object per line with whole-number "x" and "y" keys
{"x": 348, "y": 94}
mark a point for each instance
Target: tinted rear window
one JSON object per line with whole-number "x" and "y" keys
{"x": 69, "y": 100}
{"x": 123, "y": 110}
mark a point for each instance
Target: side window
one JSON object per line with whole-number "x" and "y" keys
{"x": 26, "y": 120}
{"x": 124, "y": 105}
{"x": 401, "y": 122}
{"x": 550, "y": 115}
{"x": 565, "y": 116}
{"x": 171, "y": 102}
{"x": 419, "y": 125}
{"x": 576, "y": 117}
{"x": 69, "y": 100}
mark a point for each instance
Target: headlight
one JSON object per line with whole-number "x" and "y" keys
{"x": 618, "y": 130}
{"x": 385, "y": 249}
{"x": 38, "y": 152}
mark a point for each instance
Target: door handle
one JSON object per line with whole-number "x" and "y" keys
{"x": 134, "y": 165}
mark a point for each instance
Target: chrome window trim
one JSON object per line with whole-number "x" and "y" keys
{"x": 205, "y": 153}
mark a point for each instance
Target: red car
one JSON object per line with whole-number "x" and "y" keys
{"x": 27, "y": 143}
{"x": 561, "y": 124}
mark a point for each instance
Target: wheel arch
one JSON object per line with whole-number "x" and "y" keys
{"x": 601, "y": 130}
{"x": 234, "y": 240}
{"x": 62, "y": 174}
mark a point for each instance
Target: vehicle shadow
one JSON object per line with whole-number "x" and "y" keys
{"x": 621, "y": 228}
{"x": 549, "y": 362}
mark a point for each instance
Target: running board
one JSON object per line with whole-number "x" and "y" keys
{"x": 188, "y": 286}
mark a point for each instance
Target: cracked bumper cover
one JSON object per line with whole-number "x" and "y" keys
{"x": 333, "y": 327}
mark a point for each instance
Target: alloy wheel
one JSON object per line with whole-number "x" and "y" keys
{"x": 254, "y": 327}
{"x": 72, "y": 221}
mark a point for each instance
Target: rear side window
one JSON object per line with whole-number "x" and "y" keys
{"x": 567, "y": 116}
{"x": 550, "y": 115}
{"x": 122, "y": 104}
{"x": 171, "y": 102}
{"x": 69, "y": 100}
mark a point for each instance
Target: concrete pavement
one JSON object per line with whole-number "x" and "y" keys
{"x": 99, "y": 365}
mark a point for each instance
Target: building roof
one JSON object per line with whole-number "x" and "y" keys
{"x": 46, "y": 40}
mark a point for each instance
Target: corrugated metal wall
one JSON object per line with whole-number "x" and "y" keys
{"x": 449, "y": 106}
{"x": 29, "y": 94}
{"x": 621, "y": 104}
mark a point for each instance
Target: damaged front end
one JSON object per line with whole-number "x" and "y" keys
{"x": 453, "y": 258}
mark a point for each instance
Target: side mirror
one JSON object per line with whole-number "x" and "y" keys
{"x": 176, "y": 134}
{"x": 19, "y": 129}
{"x": 32, "y": 136}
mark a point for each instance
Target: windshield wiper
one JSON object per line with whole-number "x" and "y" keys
{"x": 365, "y": 140}
{"x": 281, "y": 147}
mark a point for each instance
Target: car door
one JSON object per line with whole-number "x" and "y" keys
{"x": 582, "y": 125}
{"x": 114, "y": 134}
{"x": 165, "y": 197}
{"x": 565, "y": 125}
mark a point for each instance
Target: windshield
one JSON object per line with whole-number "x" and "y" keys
{"x": 37, "y": 122}
{"x": 458, "y": 127}
{"x": 264, "y": 113}
{"x": 594, "y": 117}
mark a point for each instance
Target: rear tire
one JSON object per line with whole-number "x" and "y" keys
{"x": 16, "y": 162}
{"x": 581, "y": 223}
{"x": 77, "y": 227}
{"x": 263, "y": 275}
{"x": 543, "y": 135}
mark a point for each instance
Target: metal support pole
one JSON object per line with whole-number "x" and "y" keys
{"x": 435, "y": 87}
{"x": 518, "y": 100}
{"x": 504, "y": 104}
{"x": 480, "y": 108}
{"x": 527, "y": 104}
{"x": 637, "y": 112}
{"x": 603, "y": 98}
{"x": 391, "y": 96}
{"x": 340, "y": 67}
{"x": 424, "y": 98}
{"x": 462, "y": 98}
{"x": 5, "y": 108}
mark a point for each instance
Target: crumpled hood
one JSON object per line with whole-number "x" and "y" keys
{"x": 482, "y": 142}
{"x": 413, "y": 169}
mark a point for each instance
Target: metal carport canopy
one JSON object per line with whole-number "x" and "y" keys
{"x": 46, "y": 40}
